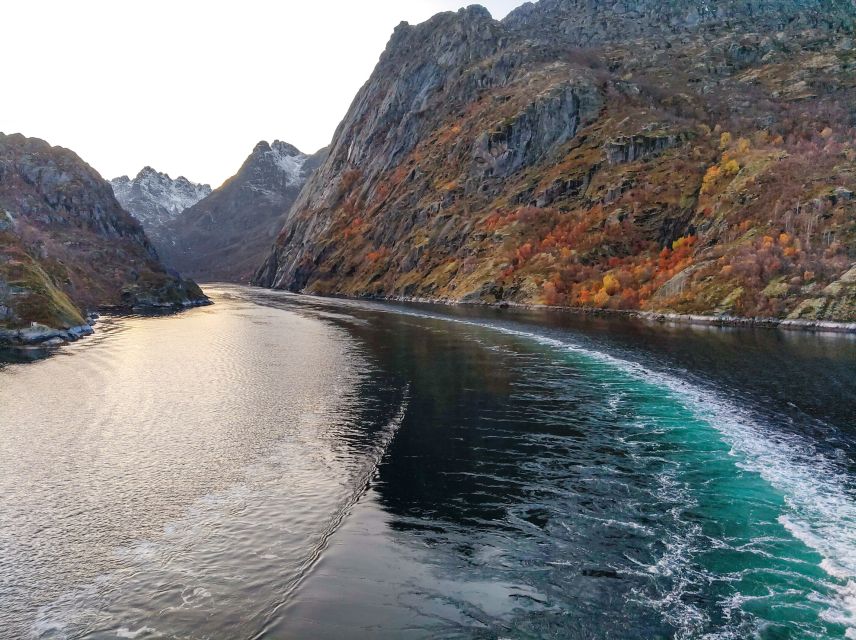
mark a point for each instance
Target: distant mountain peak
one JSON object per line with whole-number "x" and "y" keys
{"x": 226, "y": 235}
{"x": 285, "y": 148}
{"x": 154, "y": 198}
{"x": 277, "y": 157}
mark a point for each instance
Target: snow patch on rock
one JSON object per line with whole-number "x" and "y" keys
{"x": 289, "y": 160}
{"x": 154, "y": 198}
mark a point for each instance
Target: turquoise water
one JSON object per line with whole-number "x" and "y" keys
{"x": 752, "y": 524}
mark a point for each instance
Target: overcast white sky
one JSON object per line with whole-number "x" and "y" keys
{"x": 189, "y": 86}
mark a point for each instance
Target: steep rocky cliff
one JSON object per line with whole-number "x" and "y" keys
{"x": 227, "y": 234}
{"x": 672, "y": 156}
{"x": 67, "y": 246}
{"x": 155, "y": 199}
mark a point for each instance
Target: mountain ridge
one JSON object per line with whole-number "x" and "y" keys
{"x": 586, "y": 22}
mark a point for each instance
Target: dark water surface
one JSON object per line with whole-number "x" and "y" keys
{"x": 277, "y": 466}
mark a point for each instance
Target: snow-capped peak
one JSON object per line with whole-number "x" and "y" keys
{"x": 287, "y": 158}
{"x": 154, "y": 198}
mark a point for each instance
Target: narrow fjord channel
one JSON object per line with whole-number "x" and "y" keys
{"x": 278, "y": 466}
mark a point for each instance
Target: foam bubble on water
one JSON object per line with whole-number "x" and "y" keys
{"x": 191, "y": 596}
{"x": 124, "y": 632}
{"x": 847, "y": 616}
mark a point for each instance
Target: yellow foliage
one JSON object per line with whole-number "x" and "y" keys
{"x": 611, "y": 284}
{"x": 725, "y": 140}
{"x": 743, "y": 145}
{"x": 710, "y": 178}
{"x": 682, "y": 242}
{"x": 784, "y": 239}
{"x": 731, "y": 168}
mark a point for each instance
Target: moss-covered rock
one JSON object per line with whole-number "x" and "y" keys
{"x": 28, "y": 295}
{"x": 836, "y": 303}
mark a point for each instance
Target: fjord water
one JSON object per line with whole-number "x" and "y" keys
{"x": 278, "y": 466}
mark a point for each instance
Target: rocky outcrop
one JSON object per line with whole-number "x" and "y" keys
{"x": 67, "y": 246}
{"x": 835, "y": 302}
{"x": 545, "y": 124}
{"x": 155, "y": 199}
{"x": 641, "y": 146}
{"x": 227, "y": 234}
{"x": 673, "y": 157}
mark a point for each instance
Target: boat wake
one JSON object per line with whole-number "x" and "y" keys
{"x": 817, "y": 499}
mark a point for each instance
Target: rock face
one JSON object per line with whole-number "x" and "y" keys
{"x": 679, "y": 156}
{"x": 155, "y": 199}
{"x": 590, "y": 22}
{"x": 227, "y": 234}
{"x": 67, "y": 246}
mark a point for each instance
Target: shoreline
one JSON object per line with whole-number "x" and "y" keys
{"x": 724, "y": 321}
{"x": 40, "y": 336}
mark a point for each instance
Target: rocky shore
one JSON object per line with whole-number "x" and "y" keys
{"x": 43, "y": 336}
{"x": 814, "y": 326}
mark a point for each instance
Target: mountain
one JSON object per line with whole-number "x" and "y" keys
{"x": 68, "y": 247}
{"x": 671, "y": 156}
{"x": 155, "y": 199}
{"x": 226, "y": 235}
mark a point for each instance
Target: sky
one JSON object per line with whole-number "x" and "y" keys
{"x": 190, "y": 86}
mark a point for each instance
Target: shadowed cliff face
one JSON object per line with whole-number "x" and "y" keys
{"x": 66, "y": 245}
{"x": 694, "y": 158}
{"x": 228, "y": 233}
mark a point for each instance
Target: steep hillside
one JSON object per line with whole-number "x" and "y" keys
{"x": 66, "y": 246}
{"x": 670, "y": 156}
{"x": 155, "y": 199}
{"x": 226, "y": 235}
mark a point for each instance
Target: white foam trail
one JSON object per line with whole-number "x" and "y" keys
{"x": 821, "y": 507}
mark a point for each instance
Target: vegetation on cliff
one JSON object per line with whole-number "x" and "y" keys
{"x": 661, "y": 158}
